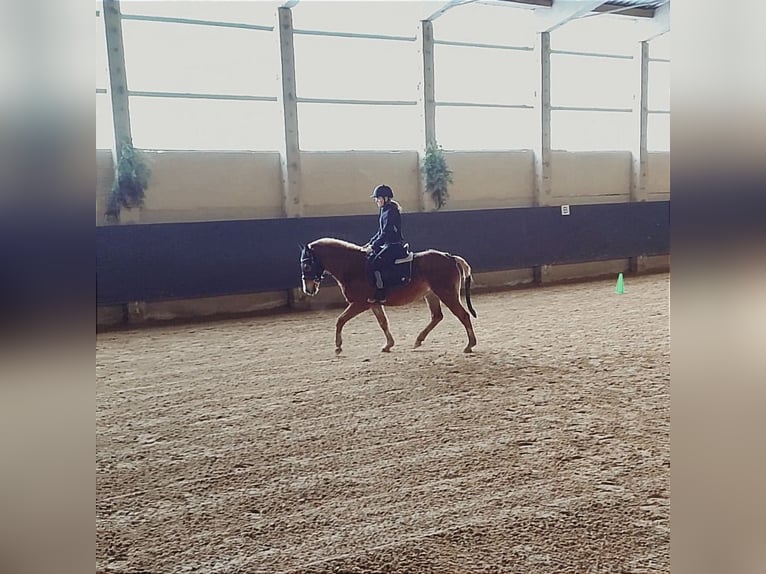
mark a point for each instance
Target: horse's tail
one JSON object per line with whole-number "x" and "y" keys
{"x": 465, "y": 271}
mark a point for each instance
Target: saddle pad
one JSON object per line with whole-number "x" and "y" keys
{"x": 407, "y": 259}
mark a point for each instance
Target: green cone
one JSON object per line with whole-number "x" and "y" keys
{"x": 620, "y": 289}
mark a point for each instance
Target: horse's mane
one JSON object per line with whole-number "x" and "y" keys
{"x": 332, "y": 242}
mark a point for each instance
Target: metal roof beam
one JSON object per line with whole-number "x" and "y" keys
{"x": 657, "y": 25}
{"x": 563, "y": 11}
{"x": 448, "y": 6}
{"x": 635, "y": 11}
{"x": 547, "y": 3}
{"x": 529, "y": 4}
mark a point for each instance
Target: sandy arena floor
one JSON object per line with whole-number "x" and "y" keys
{"x": 246, "y": 446}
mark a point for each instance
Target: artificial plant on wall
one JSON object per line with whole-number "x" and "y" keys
{"x": 131, "y": 178}
{"x": 437, "y": 175}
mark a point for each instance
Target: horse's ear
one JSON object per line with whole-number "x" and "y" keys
{"x": 301, "y": 247}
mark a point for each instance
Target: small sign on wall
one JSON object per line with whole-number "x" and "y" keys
{"x": 564, "y": 210}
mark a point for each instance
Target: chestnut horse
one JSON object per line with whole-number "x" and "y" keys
{"x": 435, "y": 276}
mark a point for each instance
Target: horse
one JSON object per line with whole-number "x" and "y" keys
{"x": 436, "y": 277}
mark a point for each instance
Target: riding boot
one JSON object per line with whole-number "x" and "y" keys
{"x": 380, "y": 291}
{"x": 380, "y": 297}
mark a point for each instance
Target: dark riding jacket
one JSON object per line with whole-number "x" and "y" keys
{"x": 390, "y": 228}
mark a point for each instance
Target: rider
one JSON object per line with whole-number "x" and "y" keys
{"x": 386, "y": 245}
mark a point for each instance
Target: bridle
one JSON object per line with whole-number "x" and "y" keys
{"x": 310, "y": 264}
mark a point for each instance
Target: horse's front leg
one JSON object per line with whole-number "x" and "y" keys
{"x": 349, "y": 313}
{"x": 380, "y": 315}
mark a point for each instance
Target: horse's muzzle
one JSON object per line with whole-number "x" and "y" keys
{"x": 310, "y": 287}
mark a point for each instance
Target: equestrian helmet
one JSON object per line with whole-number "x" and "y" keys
{"x": 382, "y": 191}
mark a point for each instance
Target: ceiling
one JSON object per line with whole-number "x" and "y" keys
{"x": 635, "y": 8}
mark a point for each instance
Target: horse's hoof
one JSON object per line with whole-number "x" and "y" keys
{"x": 418, "y": 343}
{"x": 468, "y": 350}
{"x": 385, "y": 350}
{"x": 338, "y": 350}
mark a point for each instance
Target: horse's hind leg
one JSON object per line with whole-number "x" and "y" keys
{"x": 436, "y": 316}
{"x": 349, "y": 313}
{"x": 452, "y": 300}
{"x": 380, "y": 315}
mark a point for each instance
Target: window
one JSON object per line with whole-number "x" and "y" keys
{"x": 215, "y": 85}
{"x": 591, "y": 131}
{"x": 658, "y": 129}
{"x": 510, "y": 24}
{"x": 261, "y": 12}
{"x": 194, "y": 124}
{"x": 582, "y": 81}
{"x": 599, "y": 33}
{"x": 479, "y": 76}
{"x": 462, "y": 128}
{"x": 358, "y": 127}
{"x": 658, "y": 132}
{"x": 347, "y": 68}
{"x": 354, "y": 68}
{"x": 597, "y": 80}
{"x": 381, "y": 17}
{"x": 166, "y": 59}
{"x": 104, "y": 125}
{"x": 659, "y": 86}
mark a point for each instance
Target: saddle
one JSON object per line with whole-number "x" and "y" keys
{"x": 399, "y": 271}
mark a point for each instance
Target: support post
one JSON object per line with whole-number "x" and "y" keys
{"x": 543, "y": 183}
{"x": 118, "y": 90}
{"x": 288, "y": 106}
{"x": 118, "y": 80}
{"x": 640, "y": 123}
{"x": 639, "y": 152}
{"x": 543, "y": 187}
{"x": 426, "y": 98}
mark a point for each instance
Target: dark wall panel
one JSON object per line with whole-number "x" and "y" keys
{"x": 186, "y": 260}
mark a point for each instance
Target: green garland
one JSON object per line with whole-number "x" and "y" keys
{"x": 437, "y": 175}
{"x": 131, "y": 178}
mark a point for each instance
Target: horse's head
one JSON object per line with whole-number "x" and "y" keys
{"x": 312, "y": 271}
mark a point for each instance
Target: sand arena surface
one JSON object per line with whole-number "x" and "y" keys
{"x": 247, "y": 446}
